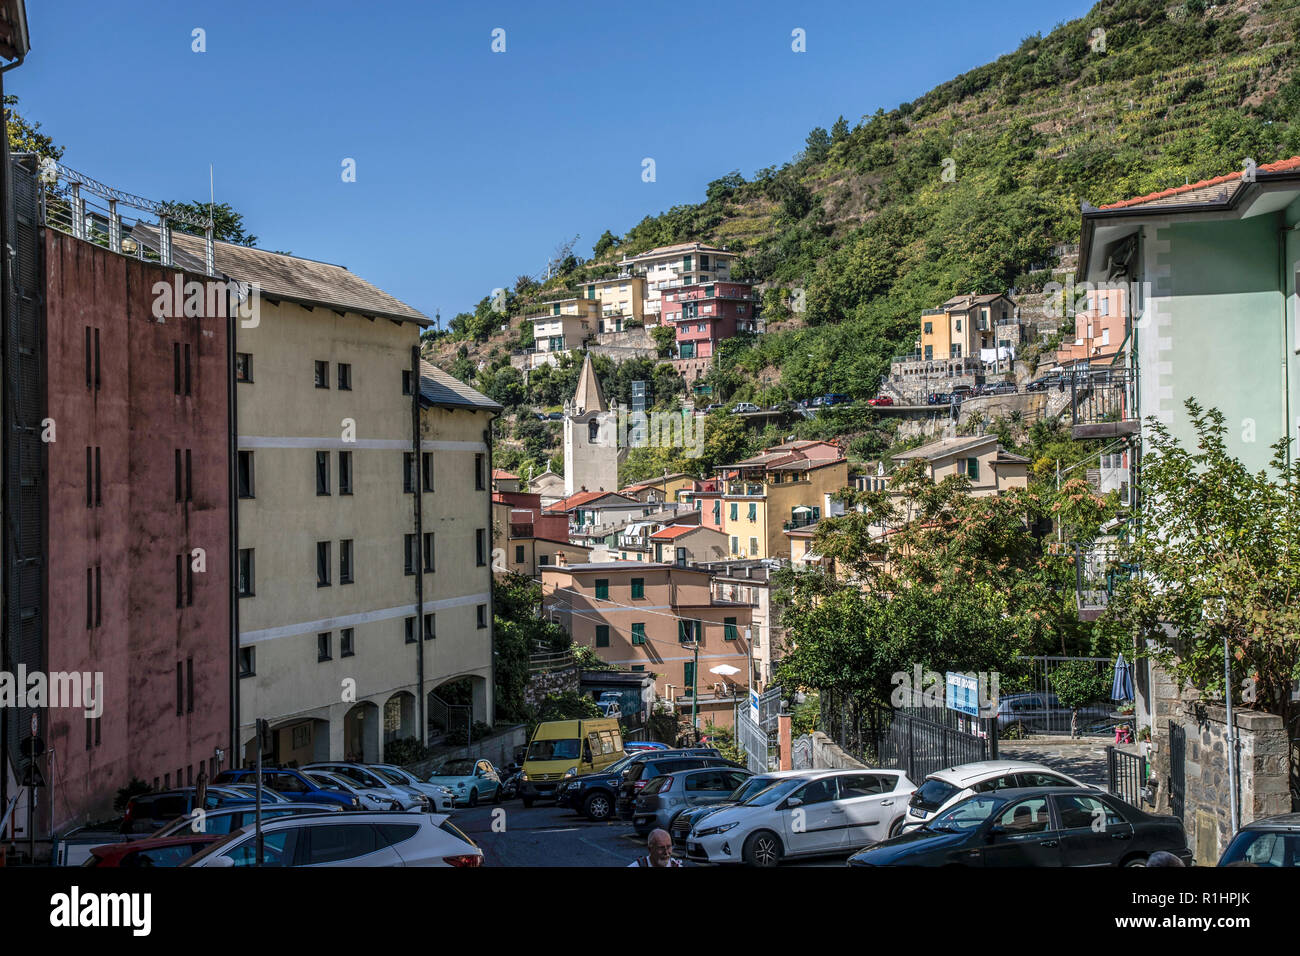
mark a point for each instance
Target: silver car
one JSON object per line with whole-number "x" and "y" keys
{"x": 369, "y": 782}
{"x": 664, "y": 797}
{"x": 441, "y": 799}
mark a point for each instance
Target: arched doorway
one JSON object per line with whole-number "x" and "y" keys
{"x": 361, "y": 733}
{"x": 399, "y": 717}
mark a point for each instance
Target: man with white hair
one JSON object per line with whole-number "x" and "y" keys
{"x": 660, "y": 845}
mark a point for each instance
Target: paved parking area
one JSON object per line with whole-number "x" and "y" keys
{"x": 1084, "y": 760}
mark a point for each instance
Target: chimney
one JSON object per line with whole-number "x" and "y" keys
{"x": 560, "y": 559}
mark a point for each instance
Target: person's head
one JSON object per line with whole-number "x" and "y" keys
{"x": 661, "y": 847}
{"x": 1163, "y": 858}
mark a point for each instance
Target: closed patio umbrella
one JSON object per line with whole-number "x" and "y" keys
{"x": 1122, "y": 687}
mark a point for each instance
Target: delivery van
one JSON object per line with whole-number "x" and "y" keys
{"x": 560, "y": 749}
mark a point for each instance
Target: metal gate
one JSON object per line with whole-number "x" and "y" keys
{"x": 754, "y": 740}
{"x": 1177, "y": 769}
{"x": 1126, "y": 775}
{"x": 906, "y": 739}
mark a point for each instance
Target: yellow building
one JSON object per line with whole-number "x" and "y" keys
{"x": 963, "y": 326}
{"x": 989, "y": 467}
{"x": 784, "y": 487}
{"x": 330, "y": 538}
{"x": 621, "y": 298}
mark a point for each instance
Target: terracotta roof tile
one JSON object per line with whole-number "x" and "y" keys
{"x": 1203, "y": 191}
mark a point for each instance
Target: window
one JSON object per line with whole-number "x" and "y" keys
{"x": 246, "y": 572}
{"x": 408, "y": 473}
{"x": 323, "y": 564}
{"x": 345, "y": 472}
{"x": 929, "y": 353}
{"x": 543, "y": 558}
{"x": 187, "y": 369}
{"x": 602, "y": 635}
{"x": 602, "y": 589}
{"x": 1027, "y": 816}
{"x": 345, "y": 377}
{"x": 753, "y": 547}
{"x": 409, "y": 625}
{"x": 959, "y": 325}
{"x": 735, "y": 511}
{"x": 480, "y": 547}
{"x": 428, "y": 551}
{"x": 638, "y": 633}
{"x": 973, "y": 469}
{"x": 729, "y": 631}
{"x": 406, "y": 381}
{"x": 247, "y": 660}
{"x": 345, "y": 561}
{"x": 322, "y": 374}
{"x": 430, "y": 631}
{"x": 735, "y": 545}
{"x": 412, "y": 553}
{"x": 480, "y": 614}
{"x": 687, "y": 631}
{"x": 323, "y": 647}
{"x": 593, "y": 431}
{"x": 180, "y": 688}
{"x": 638, "y": 588}
{"x": 717, "y": 512}
{"x": 347, "y": 647}
{"x": 638, "y": 667}
{"x": 176, "y": 483}
{"x": 753, "y": 511}
{"x": 322, "y": 473}
{"x": 519, "y": 554}
{"x": 478, "y": 473}
{"x": 245, "y": 470}
{"x": 243, "y": 366}
{"x": 176, "y": 367}
{"x": 928, "y": 328}
{"x": 426, "y": 470}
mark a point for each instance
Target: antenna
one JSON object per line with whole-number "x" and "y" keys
{"x": 212, "y": 193}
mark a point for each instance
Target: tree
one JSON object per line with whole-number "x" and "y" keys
{"x": 567, "y": 705}
{"x": 818, "y": 144}
{"x": 1218, "y": 550}
{"x": 227, "y": 224}
{"x": 840, "y": 131}
{"x": 25, "y": 136}
{"x": 1078, "y": 684}
{"x": 604, "y": 244}
{"x": 665, "y": 336}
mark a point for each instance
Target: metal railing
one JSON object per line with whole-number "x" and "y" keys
{"x": 1126, "y": 775}
{"x": 1102, "y": 403}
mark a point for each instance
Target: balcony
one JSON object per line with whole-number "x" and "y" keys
{"x": 521, "y": 530}
{"x": 740, "y": 489}
{"x": 1097, "y": 572}
{"x": 794, "y": 524}
{"x": 1101, "y": 403}
{"x": 634, "y": 542}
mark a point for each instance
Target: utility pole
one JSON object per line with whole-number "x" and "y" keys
{"x": 695, "y": 683}
{"x": 1233, "y": 812}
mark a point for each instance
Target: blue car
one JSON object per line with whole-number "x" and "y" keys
{"x": 469, "y": 779}
{"x": 287, "y": 782}
{"x": 632, "y": 746}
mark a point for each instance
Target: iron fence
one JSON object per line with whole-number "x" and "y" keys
{"x": 1126, "y": 775}
{"x": 1028, "y": 702}
{"x": 918, "y": 741}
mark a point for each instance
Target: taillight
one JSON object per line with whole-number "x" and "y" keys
{"x": 639, "y": 784}
{"x": 668, "y": 782}
{"x": 466, "y": 859}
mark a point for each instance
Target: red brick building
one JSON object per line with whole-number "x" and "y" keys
{"x": 704, "y": 315}
{"x": 139, "y": 523}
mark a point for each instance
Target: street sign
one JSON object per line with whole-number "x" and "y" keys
{"x": 962, "y": 694}
{"x": 32, "y": 776}
{"x": 31, "y": 746}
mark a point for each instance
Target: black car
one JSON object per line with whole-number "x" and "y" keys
{"x": 150, "y": 811}
{"x": 1273, "y": 841}
{"x": 1034, "y": 826}
{"x": 595, "y": 794}
{"x": 665, "y": 762}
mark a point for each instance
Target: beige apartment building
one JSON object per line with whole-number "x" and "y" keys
{"x": 670, "y": 267}
{"x": 352, "y": 545}
{"x": 649, "y": 617}
{"x": 621, "y": 298}
{"x": 565, "y": 325}
{"x": 989, "y": 467}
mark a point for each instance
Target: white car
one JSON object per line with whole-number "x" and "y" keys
{"x": 398, "y": 797}
{"x": 741, "y": 408}
{"x": 332, "y": 781}
{"x": 804, "y": 813}
{"x": 441, "y": 799}
{"x": 347, "y": 839}
{"x": 944, "y": 788}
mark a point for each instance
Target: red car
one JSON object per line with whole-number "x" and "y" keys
{"x": 880, "y": 400}
{"x": 163, "y": 851}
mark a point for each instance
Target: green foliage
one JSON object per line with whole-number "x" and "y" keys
{"x": 803, "y": 719}
{"x": 406, "y": 751}
{"x": 663, "y": 724}
{"x": 25, "y": 136}
{"x": 227, "y": 224}
{"x": 724, "y": 739}
{"x": 1078, "y": 683}
{"x": 134, "y": 788}
{"x": 518, "y": 632}
{"x": 664, "y": 336}
{"x": 567, "y": 705}
{"x": 589, "y": 660}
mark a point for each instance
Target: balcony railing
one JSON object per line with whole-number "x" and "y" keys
{"x": 736, "y": 488}
{"x": 1101, "y": 403}
{"x": 521, "y": 530}
{"x": 795, "y": 523}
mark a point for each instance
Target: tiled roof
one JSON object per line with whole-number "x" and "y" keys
{"x": 287, "y": 277}
{"x": 962, "y": 300}
{"x": 1218, "y": 189}
{"x": 946, "y": 446}
{"x": 580, "y": 498}
{"x": 675, "y": 531}
{"x": 440, "y": 389}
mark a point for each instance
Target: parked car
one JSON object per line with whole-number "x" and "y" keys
{"x": 225, "y": 819}
{"x": 681, "y": 826}
{"x": 938, "y": 398}
{"x": 834, "y": 398}
{"x": 945, "y": 788}
{"x": 441, "y": 798}
{"x": 712, "y": 407}
{"x": 147, "y": 812}
{"x": 347, "y": 839}
{"x": 556, "y": 416}
{"x": 560, "y": 749}
{"x": 596, "y": 794}
{"x": 879, "y": 401}
{"x": 345, "y": 787}
{"x": 470, "y": 780}
{"x": 1039, "y": 385}
{"x": 639, "y": 774}
{"x": 1000, "y": 388}
{"x": 1037, "y": 826}
{"x": 399, "y": 797}
{"x": 664, "y": 797}
{"x": 960, "y": 393}
{"x": 1272, "y": 841}
{"x": 631, "y": 746}
{"x": 139, "y": 854}
{"x": 250, "y": 791}
{"x": 1044, "y": 713}
{"x": 292, "y": 783}
{"x": 819, "y": 813}
{"x": 741, "y": 408}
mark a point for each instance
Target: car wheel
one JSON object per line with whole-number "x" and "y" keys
{"x": 496, "y": 794}
{"x": 473, "y": 797}
{"x": 896, "y": 829}
{"x": 597, "y": 807}
{"x": 528, "y": 802}
{"x": 1135, "y": 861}
{"x": 763, "y": 849}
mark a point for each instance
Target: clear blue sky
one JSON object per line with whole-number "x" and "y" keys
{"x": 472, "y": 165}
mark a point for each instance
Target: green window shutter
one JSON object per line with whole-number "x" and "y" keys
{"x": 638, "y": 587}
{"x": 717, "y": 511}
{"x": 729, "y": 629}
{"x": 591, "y": 292}
{"x": 688, "y": 676}
{"x": 734, "y": 510}
{"x": 638, "y": 667}
{"x": 555, "y": 309}
{"x": 602, "y": 635}
{"x": 817, "y": 513}
{"x": 686, "y": 263}
{"x": 973, "y": 469}
{"x": 753, "y": 511}
{"x": 638, "y": 633}
{"x": 682, "y": 636}
{"x": 602, "y": 589}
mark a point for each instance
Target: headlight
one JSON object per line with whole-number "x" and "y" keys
{"x": 571, "y": 772}
{"x": 356, "y": 803}
{"x": 713, "y": 831}
{"x": 523, "y": 776}
{"x": 461, "y": 784}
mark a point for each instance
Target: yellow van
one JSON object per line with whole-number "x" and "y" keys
{"x": 567, "y": 748}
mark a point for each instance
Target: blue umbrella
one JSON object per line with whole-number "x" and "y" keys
{"x": 1122, "y": 687}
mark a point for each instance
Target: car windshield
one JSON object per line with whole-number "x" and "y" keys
{"x": 1264, "y": 848}
{"x": 329, "y": 783}
{"x": 388, "y": 775}
{"x": 461, "y": 767}
{"x": 618, "y": 765}
{"x": 751, "y": 787}
{"x": 778, "y": 791}
{"x": 967, "y": 815}
{"x": 931, "y": 794}
{"x": 566, "y": 749}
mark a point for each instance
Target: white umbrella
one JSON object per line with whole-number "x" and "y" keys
{"x": 725, "y": 670}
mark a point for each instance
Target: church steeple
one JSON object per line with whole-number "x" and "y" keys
{"x": 588, "y": 397}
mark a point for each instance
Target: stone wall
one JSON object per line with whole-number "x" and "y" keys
{"x": 499, "y": 747}
{"x": 555, "y": 681}
{"x": 1029, "y": 404}
{"x": 827, "y": 755}
{"x": 627, "y": 339}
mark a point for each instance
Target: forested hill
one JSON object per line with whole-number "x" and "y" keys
{"x": 966, "y": 188}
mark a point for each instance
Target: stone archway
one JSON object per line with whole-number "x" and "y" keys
{"x": 361, "y": 728}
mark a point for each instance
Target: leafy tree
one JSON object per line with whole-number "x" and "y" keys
{"x": 604, "y": 244}
{"x": 840, "y": 130}
{"x": 817, "y": 145}
{"x": 26, "y": 136}
{"x": 227, "y": 224}
{"x": 1219, "y": 553}
{"x": 1078, "y": 684}
{"x": 567, "y": 705}
{"x": 664, "y": 336}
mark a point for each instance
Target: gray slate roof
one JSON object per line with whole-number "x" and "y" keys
{"x": 439, "y": 388}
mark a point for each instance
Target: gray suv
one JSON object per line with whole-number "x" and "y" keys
{"x": 664, "y": 797}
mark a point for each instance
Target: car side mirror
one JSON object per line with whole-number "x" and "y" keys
{"x": 223, "y": 862}
{"x": 996, "y": 830}
{"x": 793, "y": 802}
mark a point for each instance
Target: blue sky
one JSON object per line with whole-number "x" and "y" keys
{"x": 471, "y": 166}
